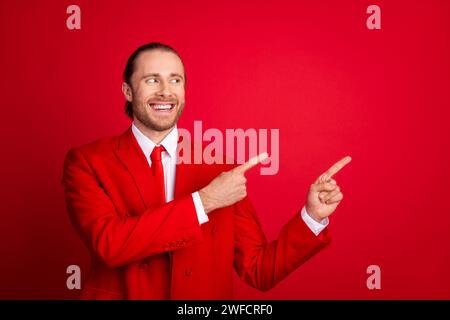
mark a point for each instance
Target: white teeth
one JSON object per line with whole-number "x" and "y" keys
{"x": 161, "y": 106}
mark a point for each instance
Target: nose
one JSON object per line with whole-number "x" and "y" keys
{"x": 164, "y": 89}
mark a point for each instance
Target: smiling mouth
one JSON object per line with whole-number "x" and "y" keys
{"x": 162, "y": 106}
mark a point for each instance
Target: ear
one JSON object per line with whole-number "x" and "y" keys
{"x": 127, "y": 92}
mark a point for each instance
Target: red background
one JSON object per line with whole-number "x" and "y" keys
{"x": 314, "y": 71}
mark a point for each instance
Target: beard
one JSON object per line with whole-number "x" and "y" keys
{"x": 145, "y": 118}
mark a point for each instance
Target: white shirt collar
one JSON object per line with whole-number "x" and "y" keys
{"x": 170, "y": 142}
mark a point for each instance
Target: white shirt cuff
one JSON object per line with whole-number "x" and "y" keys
{"x": 316, "y": 227}
{"x": 201, "y": 215}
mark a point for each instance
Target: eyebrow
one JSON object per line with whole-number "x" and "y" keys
{"x": 158, "y": 75}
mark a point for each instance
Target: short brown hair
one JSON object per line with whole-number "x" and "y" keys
{"x": 129, "y": 68}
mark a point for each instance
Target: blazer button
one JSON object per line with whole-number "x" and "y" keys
{"x": 188, "y": 272}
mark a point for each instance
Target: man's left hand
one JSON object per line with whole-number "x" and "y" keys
{"x": 324, "y": 195}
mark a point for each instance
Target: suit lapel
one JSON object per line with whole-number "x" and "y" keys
{"x": 131, "y": 155}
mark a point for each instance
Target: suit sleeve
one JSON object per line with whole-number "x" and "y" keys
{"x": 261, "y": 264}
{"x": 121, "y": 240}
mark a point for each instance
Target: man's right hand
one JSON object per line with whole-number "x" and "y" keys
{"x": 228, "y": 187}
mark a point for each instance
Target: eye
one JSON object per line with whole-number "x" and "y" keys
{"x": 175, "y": 80}
{"x": 152, "y": 80}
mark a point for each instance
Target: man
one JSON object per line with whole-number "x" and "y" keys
{"x": 156, "y": 229}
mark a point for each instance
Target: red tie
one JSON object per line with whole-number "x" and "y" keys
{"x": 158, "y": 171}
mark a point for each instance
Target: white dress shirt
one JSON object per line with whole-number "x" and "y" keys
{"x": 169, "y": 162}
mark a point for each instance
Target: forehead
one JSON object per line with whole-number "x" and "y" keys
{"x": 158, "y": 61}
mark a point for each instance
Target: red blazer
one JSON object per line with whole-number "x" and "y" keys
{"x": 140, "y": 250}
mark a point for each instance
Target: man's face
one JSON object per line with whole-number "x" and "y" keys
{"x": 157, "y": 89}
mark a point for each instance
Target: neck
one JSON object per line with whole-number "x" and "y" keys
{"x": 154, "y": 135}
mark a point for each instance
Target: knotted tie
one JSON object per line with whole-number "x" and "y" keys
{"x": 158, "y": 171}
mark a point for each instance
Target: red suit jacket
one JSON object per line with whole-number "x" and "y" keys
{"x": 141, "y": 250}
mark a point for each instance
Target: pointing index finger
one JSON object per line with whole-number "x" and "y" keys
{"x": 336, "y": 167}
{"x": 251, "y": 163}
